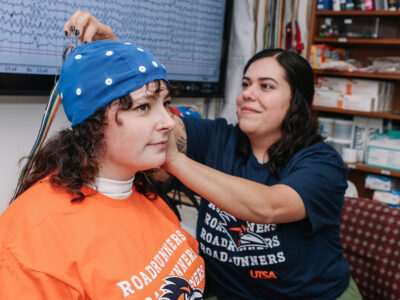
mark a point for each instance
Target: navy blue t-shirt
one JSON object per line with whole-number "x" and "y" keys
{"x": 299, "y": 260}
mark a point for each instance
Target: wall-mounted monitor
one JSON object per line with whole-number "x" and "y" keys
{"x": 189, "y": 37}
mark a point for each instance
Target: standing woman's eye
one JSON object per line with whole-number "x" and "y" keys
{"x": 266, "y": 86}
{"x": 245, "y": 84}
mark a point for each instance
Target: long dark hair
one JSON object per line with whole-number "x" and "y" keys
{"x": 71, "y": 157}
{"x": 299, "y": 127}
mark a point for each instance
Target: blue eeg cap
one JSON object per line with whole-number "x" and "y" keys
{"x": 95, "y": 74}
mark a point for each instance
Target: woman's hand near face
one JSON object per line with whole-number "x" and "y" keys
{"x": 87, "y": 28}
{"x": 172, "y": 151}
{"x": 176, "y": 143}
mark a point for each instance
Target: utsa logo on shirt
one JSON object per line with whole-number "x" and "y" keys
{"x": 177, "y": 288}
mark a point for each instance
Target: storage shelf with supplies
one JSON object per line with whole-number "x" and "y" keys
{"x": 382, "y": 40}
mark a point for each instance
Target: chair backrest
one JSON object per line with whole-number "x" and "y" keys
{"x": 370, "y": 234}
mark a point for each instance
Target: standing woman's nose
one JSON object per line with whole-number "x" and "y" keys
{"x": 249, "y": 92}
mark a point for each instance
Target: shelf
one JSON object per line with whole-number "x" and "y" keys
{"x": 386, "y": 76}
{"x": 359, "y": 113}
{"x": 361, "y": 49}
{"x": 360, "y": 41}
{"x": 358, "y": 13}
{"x": 365, "y": 168}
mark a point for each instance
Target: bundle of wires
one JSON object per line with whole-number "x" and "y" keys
{"x": 47, "y": 119}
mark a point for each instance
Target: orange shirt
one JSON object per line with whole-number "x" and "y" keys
{"x": 99, "y": 248}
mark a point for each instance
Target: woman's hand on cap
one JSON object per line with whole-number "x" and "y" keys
{"x": 87, "y": 28}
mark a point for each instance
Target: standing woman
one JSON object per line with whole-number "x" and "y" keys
{"x": 88, "y": 225}
{"x": 272, "y": 190}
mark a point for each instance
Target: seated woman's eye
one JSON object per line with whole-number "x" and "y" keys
{"x": 143, "y": 107}
{"x": 245, "y": 84}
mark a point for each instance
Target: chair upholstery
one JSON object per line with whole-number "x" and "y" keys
{"x": 370, "y": 234}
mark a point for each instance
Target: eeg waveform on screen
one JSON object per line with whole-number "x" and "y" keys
{"x": 185, "y": 35}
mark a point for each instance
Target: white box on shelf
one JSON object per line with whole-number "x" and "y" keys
{"x": 379, "y": 104}
{"x": 325, "y": 98}
{"x": 391, "y": 197}
{"x": 388, "y": 96}
{"x": 358, "y": 136}
{"x": 355, "y": 94}
{"x": 374, "y": 127}
{"x": 381, "y": 183}
{"x": 364, "y": 129}
{"x": 336, "y": 84}
{"x": 358, "y": 102}
{"x": 384, "y": 153}
{"x": 362, "y": 87}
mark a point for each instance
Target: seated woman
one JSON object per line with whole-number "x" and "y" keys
{"x": 88, "y": 225}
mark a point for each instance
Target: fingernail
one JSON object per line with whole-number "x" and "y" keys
{"x": 77, "y": 32}
{"x": 66, "y": 33}
{"x": 72, "y": 28}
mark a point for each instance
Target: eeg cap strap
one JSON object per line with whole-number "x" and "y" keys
{"x": 95, "y": 74}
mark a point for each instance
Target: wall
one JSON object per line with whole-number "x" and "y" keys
{"x": 20, "y": 119}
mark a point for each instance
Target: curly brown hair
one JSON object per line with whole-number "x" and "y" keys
{"x": 71, "y": 157}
